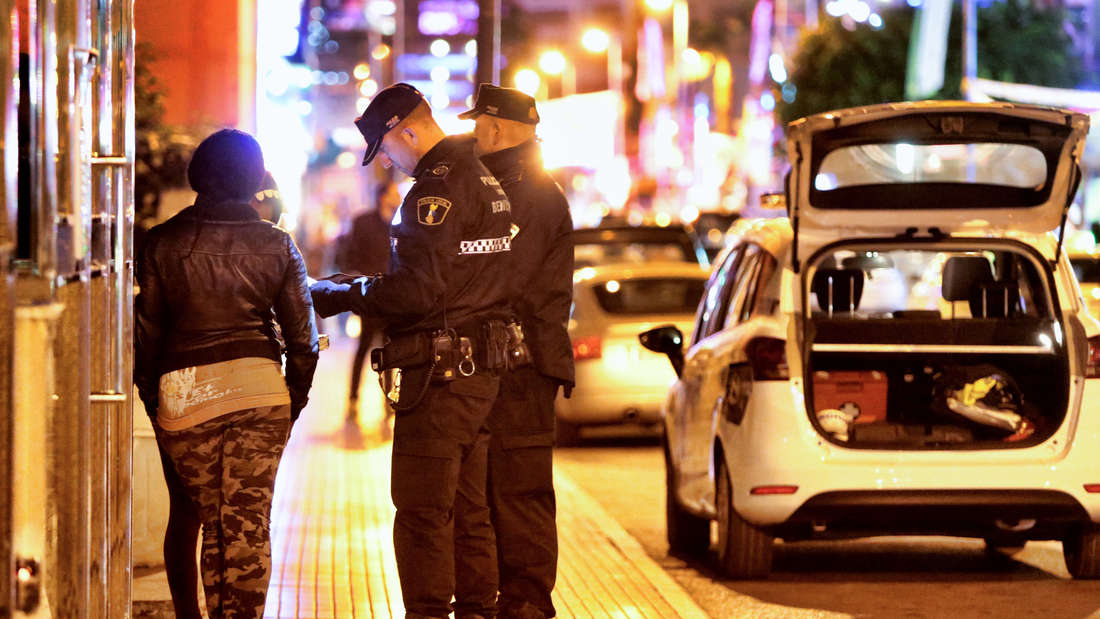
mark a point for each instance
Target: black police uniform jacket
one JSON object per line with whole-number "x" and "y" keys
{"x": 209, "y": 279}
{"x": 446, "y": 241}
{"x": 541, "y": 257}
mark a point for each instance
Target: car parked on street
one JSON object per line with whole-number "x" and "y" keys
{"x": 1087, "y": 268}
{"x": 624, "y": 243}
{"x": 905, "y": 353}
{"x": 617, "y": 381}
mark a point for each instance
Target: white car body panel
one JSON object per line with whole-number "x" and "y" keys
{"x": 856, "y": 222}
{"x": 776, "y": 442}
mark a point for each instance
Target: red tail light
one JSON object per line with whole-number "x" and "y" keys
{"x": 774, "y": 490}
{"x": 1092, "y": 488}
{"x": 1093, "y": 368}
{"x": 587, "y": 348}
{"x": 768, "y": 358}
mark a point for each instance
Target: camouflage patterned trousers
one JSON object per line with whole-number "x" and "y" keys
{"x": 228, "y": 466}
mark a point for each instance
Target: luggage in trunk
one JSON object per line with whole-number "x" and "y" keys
{"x": 948, "y": 384}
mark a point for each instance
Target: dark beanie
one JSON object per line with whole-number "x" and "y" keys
{"x": 227, "y": 165}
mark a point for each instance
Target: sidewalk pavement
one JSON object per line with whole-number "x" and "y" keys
{"x": 332, "y": 521}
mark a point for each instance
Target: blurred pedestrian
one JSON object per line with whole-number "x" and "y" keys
{"x": 208, "y": 363}
{"x": 443, "y": 303}
{"x": 521, "y": 480}
{"x": 365, "y": 250}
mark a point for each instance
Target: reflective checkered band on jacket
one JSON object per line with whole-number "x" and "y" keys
{"x": 485, "y": 246}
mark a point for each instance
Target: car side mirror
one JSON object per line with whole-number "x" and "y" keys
{"x": 666, "y": 340}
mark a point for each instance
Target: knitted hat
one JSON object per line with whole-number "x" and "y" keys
{"x": 227, "y": 165}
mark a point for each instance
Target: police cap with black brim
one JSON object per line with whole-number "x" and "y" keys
{"x": 506, "y": 103}
{"x": 388, "y": 108}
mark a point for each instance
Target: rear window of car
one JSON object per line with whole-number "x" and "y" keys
{"x": 595, "y": 246}
{"x": 589, "y": 254}
{"x": 987, "y": 163}
{"x": 929, "y": 284}
{"x": 655, "y": 295}
{"x": 1086, "y": 269}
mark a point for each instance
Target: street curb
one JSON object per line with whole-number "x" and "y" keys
{"x": 668, "y": 589}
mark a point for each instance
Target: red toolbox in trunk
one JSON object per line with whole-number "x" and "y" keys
{"x": 862, "y": 392}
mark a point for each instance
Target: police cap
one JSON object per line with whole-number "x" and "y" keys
{"x": 388, "y": 108}
{"x": 506, "y": 103}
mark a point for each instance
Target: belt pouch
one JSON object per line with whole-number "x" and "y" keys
{"x": 404, "y": 351}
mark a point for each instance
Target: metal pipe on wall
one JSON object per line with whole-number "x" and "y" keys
{"x": 65, "y": 412}
{"x": 76, "y": 441}
{"x": 9, "y": 161}
{"x": 116, "y": 44}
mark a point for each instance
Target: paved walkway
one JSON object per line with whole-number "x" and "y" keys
{"x": 332, "y": 549}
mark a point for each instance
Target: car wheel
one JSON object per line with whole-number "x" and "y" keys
{"x": 688, "y": 534}
{"x": 567, "y": 433}
{"x": 744, "y": 551}
{"x": 1081, "y": 549}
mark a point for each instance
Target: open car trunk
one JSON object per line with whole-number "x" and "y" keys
{"x": 947, "y": 346}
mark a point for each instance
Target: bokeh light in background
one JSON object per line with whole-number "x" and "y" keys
{"x": 595, "y": 40}
{"x": 280, "y": 122}
{"x": 552, "y": 61}
{"x": 380, "y": 51}
{"x": 528, "y": 81}
{"x": 439, "y": 48}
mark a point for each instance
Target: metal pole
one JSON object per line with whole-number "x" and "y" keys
{"x": 488, "y": 42}
{"x": 970, "y": 48}
{"x": 9, "y": 152}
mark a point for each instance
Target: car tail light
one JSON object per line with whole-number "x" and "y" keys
{"x": 768, "y": 358}
{"x": 587, "y": 347}
{"x": 774, "y": 490}
{"x": 1092, "y": 488}
{"x": 1093, "y": 368}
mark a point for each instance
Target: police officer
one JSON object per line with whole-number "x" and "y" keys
{"x": 521, "y": 491}
{"x": 446, "y": 288}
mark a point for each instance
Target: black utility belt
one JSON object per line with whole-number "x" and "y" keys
{"x": 493, "y": 345}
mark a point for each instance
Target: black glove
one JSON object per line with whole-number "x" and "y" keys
{"x": 329, "y": 297}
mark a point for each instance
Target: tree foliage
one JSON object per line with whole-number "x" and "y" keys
{"x": 842, "y": 64}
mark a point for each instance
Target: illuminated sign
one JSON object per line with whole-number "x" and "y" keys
{"x": 447, "y": 17}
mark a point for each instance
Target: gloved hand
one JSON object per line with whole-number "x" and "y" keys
{"x": 329, "y": 297}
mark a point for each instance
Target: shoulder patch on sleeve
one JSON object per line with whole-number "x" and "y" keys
{"x": 432, "y": 210}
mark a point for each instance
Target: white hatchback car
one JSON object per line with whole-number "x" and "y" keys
{"x": 906, "y": 353}
{"x": 617, "y": 381}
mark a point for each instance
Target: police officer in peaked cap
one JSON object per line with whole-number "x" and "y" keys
{"x": 521, "y": 491}
{"x": 442, "y": 302}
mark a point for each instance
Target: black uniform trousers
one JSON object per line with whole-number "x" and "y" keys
{"x": 442, "y": 535}
{"x": 521, "y": 488}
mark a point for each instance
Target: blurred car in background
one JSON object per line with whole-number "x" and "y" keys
{"x": 618, "y": 381}
{"x": 1086, "y": 266}
{"x": 710, "y": 229}
{"x": 636, "y": 244}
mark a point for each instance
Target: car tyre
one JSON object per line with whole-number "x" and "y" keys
{"x": 744, "y": 551}
{"x": 1081, "y": 549}
{"x": 567, "y": 434}
{"x": 688, "y": 534}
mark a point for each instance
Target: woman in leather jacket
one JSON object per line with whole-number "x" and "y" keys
{"x": 213, "y": 279}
